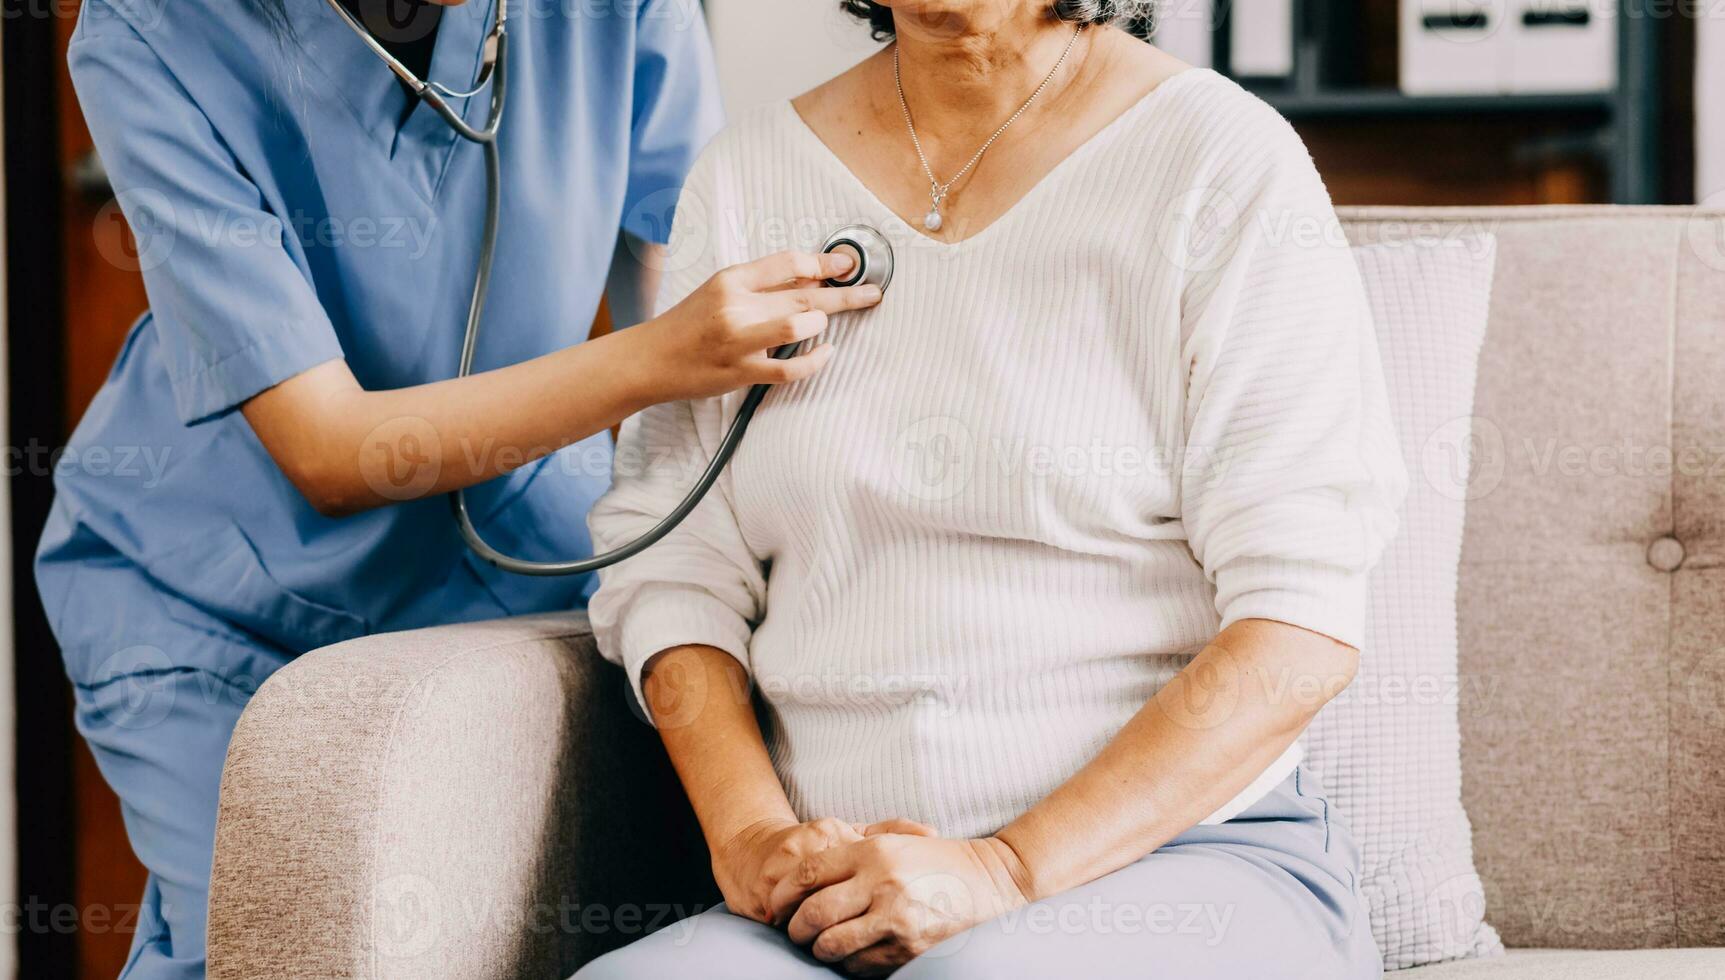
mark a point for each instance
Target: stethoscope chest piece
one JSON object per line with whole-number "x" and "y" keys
{"x": 871, "y": 250}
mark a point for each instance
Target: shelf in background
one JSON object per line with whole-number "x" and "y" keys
{"x": 1345, "y": 71}
{"x": 1382, "y": 103}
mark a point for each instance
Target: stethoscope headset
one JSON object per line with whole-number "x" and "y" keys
{"x": 872, "y": 251}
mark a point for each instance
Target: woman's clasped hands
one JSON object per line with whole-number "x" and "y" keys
{"x": 867, "y": 898}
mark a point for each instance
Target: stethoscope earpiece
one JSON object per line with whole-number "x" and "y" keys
{"x": 871, "y": 250}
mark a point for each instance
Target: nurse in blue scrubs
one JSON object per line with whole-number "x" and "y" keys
{"x": 263, "y": 473}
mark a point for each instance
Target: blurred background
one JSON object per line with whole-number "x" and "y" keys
{"x": 1431, "y": 102}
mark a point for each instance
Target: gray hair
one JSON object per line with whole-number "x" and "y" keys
{"x": 1136, "y": 16}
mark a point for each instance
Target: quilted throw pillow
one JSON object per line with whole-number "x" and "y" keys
{"x": 1389, "y": 747}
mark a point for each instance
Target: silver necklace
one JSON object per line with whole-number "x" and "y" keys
{"x": 936, "y": 190}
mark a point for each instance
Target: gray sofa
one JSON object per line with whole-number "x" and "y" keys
{"x": 478, "y": 801}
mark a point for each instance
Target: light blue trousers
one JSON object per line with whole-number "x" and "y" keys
{"x": 1271, "y": 894}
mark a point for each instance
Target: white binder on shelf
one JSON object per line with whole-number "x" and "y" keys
{"x": 1454, "y": 47}
{"x": 1186, "y": 30}
{"x": 1562, "y": 46}
{"x": 1261, "y": 38}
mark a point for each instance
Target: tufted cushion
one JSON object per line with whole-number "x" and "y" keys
{"x": 1592, "y": 695}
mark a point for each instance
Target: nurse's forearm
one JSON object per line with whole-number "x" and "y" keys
{"x": 348, "y": 449}
{"x": 1196, "y": 745}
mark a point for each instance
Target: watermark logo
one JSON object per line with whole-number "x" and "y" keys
{"x": 1464, "y": 459}
{"x": 933, "y": 459}
{"x": 937, "y": 904}
{"x": 130, "y": 691}
{"x": 408, "y": 916}
{"x": 139, "y": 229}
{"x": 1706, "y": 232}
{"x": 402, "y": 458}
{"x": 1199, "y": 231}
{"x": 682, "y": 224}
{"x": 134, "y": 232}
{"x": 1463, "y": 21}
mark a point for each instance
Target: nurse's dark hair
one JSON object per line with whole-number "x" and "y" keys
{"x": 1136, "y": 16}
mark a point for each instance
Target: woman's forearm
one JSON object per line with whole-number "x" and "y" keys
{"x": 1196, "y": 745}
{"x": 699, "y": 699}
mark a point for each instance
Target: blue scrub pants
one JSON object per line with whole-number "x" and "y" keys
{"x": 160, "y": 736}
{"x": 1271, "y": 894}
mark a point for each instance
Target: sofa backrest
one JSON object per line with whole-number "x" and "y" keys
{"x": 1592, "y": 593}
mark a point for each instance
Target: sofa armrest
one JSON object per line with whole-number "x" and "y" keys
{"x": 468, "y": 801}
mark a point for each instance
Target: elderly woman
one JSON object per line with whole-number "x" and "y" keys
{"x": 991, "y": 654}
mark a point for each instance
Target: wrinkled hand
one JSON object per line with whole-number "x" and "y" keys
{"x": 751, "y": 863}
{"x": 875, "y": 904}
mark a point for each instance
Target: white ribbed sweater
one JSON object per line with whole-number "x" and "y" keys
{"x": 1035, "y": 480}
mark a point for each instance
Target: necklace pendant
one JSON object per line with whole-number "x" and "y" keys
{"x": 936, "y": 197}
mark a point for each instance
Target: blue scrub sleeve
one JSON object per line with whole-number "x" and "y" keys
{"x": 676, "y": 111}
{"x": 233, "y": 311}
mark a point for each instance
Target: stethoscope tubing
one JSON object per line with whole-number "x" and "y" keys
{"x": 487, "y": 138}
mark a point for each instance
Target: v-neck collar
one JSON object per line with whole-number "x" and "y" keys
{"x": 1094, "y": 143}
{"x": 371, "y": 92}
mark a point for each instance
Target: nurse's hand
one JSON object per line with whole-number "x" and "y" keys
{"x": 721, "y": 336}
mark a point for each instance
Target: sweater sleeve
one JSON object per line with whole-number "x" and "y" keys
{"x": 701, "y": 584}
{"x": 1292, "y": 476}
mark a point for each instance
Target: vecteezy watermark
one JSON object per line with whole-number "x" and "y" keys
{"x": 407, "y": 916}
{"x": 681, "y": 218}
{"x": 1469, "y": 457}
{"x": 34, "y": 916}
{"x": 1705, "y": 232}
{"x": 414, "y": 914}
{"x": 1463, "y": 459}
{"x": 677, "y": 15}
{"x": 158, "y": 227}
{"x": 863, "y": 690}
{"x": 395, "y": 25}
{"x": 146, "y": 465}
{"x": 1202, "y": 229}
{"x": 1419, "y": 690}
{"x": 938, "y": 457}
{"x": 131, "y": 688}
{"x": 1207, "y": 922}
{"x": 698, "y": 232}
{"x": 137, "y": 687}
{"x": 141, "y": 15}
{"x": 1464, "y": 21}
{"x": 149, "y": 214}
{"x": 929, "y": 901}
{"x": 402, "y": 458}
{"x": 934, "y": 458}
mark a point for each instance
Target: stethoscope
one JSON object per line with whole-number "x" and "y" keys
{"x": 871, "y": 250}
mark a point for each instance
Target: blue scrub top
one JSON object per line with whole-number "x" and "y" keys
{"x": 286, "y": 215}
